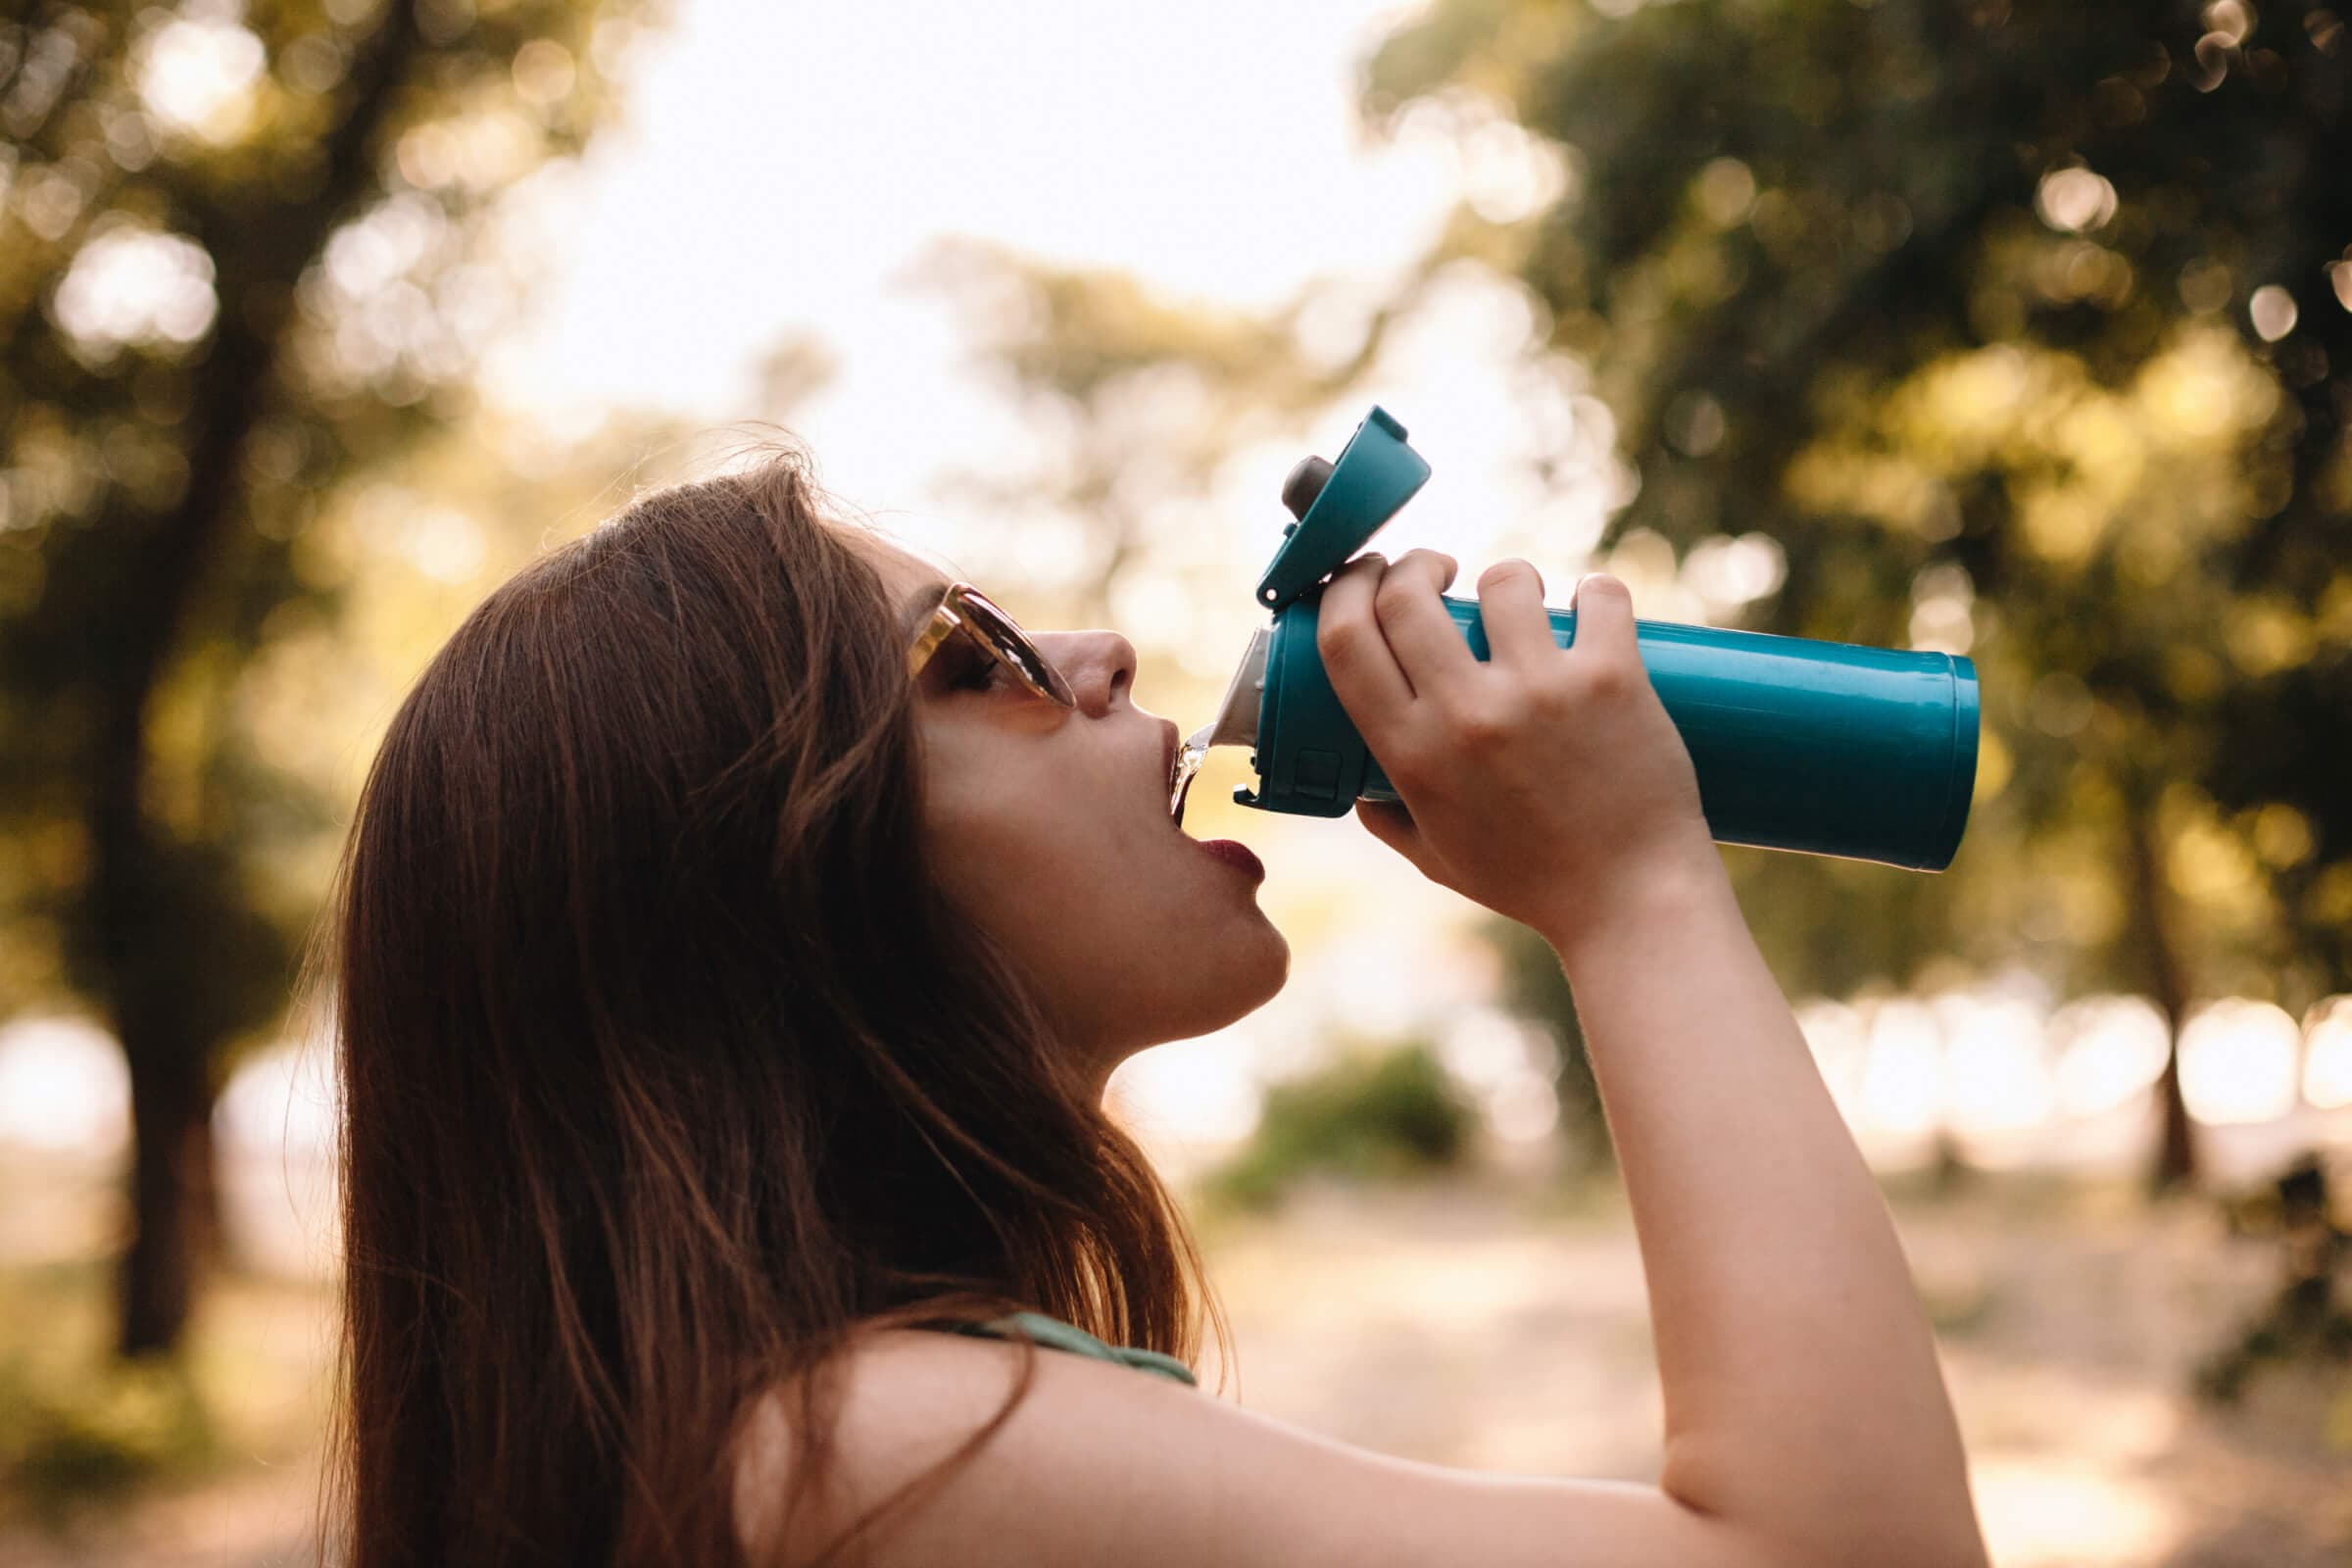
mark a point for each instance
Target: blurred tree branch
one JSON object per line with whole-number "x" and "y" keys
{"x": 1140, "y": 399}
{"x": 184, "y": 374}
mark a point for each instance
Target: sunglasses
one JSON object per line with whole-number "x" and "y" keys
{"x": 962, "y": 607}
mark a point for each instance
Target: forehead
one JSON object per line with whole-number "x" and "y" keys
{"x": 910, "y": 579}
{"x": 902, "y": 570}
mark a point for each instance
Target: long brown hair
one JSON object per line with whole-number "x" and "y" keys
{"x": 666, "y": 1072}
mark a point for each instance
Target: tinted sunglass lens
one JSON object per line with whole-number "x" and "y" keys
{"x": 1010, "y": 641}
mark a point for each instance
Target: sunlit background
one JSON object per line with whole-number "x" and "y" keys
{"x": 1059, "y": 295}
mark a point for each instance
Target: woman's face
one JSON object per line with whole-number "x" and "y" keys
{"x": 1049, "y": 828}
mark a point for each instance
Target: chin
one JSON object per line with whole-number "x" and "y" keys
{"x": 1243, "y": 977}
{"x": 1279, "y": 948}
{"x": 1258, "y": 976}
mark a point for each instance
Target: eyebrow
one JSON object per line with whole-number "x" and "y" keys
{"x": 918, "y": 608}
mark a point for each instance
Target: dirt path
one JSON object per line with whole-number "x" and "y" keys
{"x": 1465, "y": 1324}
{"x": 1445, "y": 1325}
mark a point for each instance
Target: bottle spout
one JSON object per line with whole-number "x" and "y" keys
{"x": 1235, "y": 723}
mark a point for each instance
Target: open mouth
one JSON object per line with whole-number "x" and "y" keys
{"x": 1179, "y": 784}
{"x": 1184, "y": 765}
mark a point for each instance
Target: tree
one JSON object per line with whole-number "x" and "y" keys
{"x": 1142, "y": 398}
{"x": 2023, "y": 328}
{"x": 240, "y": 262}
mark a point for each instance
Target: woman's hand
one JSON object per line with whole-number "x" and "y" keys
{"x": 1544, "y": 783}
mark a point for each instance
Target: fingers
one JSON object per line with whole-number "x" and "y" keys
{"x": 1356, "y": 659}
{"x": 1604, "y": 619}
{"x": 1429, "y": 646}
{"x": 1510, "y": 604}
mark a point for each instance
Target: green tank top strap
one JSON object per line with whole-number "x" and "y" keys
{"x": 1054, "y": 1334}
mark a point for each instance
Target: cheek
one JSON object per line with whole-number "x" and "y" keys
{"x": 1016, "y": 844}
{"x": 1125, "y": 936}
{"x": 1070, "y": 889}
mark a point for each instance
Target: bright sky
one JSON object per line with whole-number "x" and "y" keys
{"x": 781, "y": 164}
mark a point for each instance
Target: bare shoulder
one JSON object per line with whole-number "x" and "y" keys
{"x": 1102, "y": 1464}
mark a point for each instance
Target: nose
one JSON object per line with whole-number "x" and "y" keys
{"x": 1098, "y": 664}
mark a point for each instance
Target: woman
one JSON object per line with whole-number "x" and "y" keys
{"x": 737, "y": 931}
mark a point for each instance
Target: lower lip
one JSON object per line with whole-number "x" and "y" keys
{"x": 1233, "y": 853}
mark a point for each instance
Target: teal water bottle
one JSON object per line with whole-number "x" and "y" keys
{"x": 1867, "y": 753}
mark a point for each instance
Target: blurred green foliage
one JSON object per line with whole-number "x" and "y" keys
{"x": 77, "y": 1428}
{"x": 1367, "y": 1116}
{"x": 2024, "y": 330}
{"x": 81, "y": 1429}
{"x": 123, "y": 1426}
{"x": 243, "y": 262}
{"x": 2311, "y": 1316}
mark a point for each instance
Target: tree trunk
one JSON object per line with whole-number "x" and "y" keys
{"x": 2157, "y": 935}
{"x": 144, "y": 935}
{"x": 2175, "y": 1150}
{"x": 172, "y": 1197}
{"x": 134, "y": 924}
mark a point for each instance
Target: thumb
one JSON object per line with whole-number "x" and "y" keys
{"x": 1391, "y": 824}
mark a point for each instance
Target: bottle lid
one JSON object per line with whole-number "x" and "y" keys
{"x": 1376, "y": 474}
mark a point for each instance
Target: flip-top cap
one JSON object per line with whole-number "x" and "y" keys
{"x": 1376, "y": 474}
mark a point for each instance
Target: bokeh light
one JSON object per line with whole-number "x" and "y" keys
{"x": 2239, "y": 1061}
{"x": 2327, "y": 1054}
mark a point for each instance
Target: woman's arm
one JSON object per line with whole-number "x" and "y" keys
{"x": 1803, "y": 1402}
{"x": 1801, "y": 1390}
